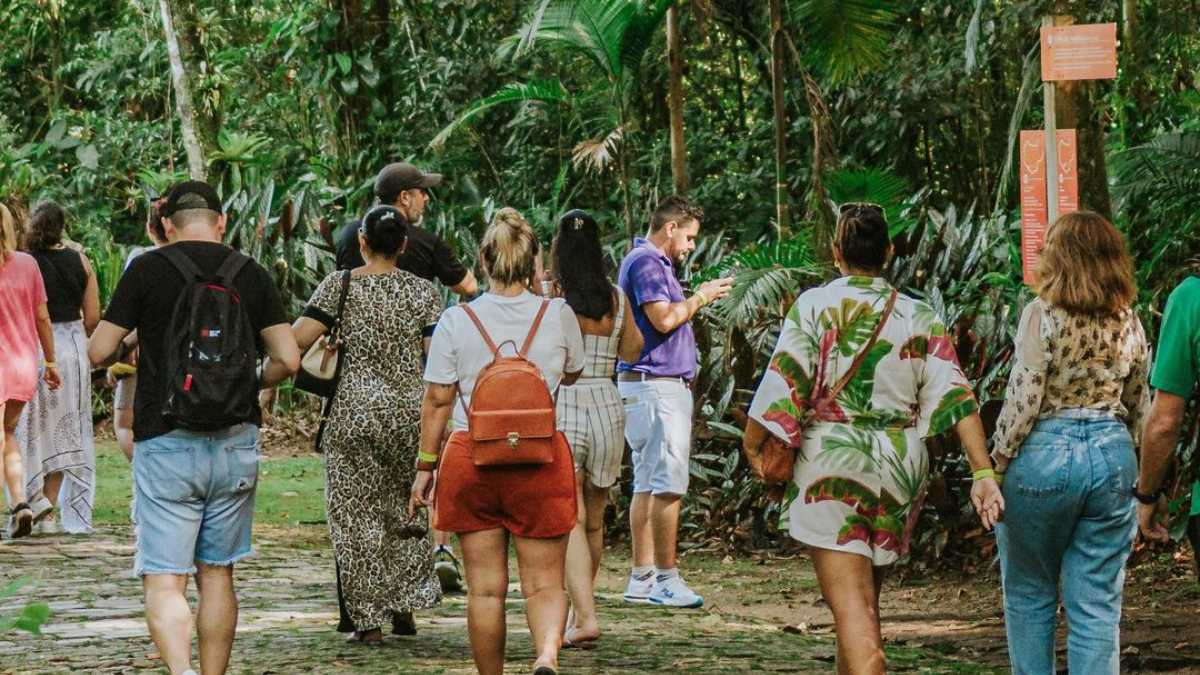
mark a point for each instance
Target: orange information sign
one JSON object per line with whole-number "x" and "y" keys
{"x": 1034, "y": 212}
{"x": 1086, "y": 52}
{"x": 1033, "y": 201}
{"x": 1068, "y": 172}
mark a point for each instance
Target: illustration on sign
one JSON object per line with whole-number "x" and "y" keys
{"x": 1034, "y": 213}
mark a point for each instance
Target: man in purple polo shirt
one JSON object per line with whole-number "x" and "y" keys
{"x": 658, "y": 398}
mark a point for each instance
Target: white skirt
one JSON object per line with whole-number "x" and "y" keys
{"x": 55, "y": 432}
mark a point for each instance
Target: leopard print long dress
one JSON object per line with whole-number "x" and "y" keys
{"x": 371, "y": 441}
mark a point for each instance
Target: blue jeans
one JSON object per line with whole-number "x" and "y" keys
{"x": 1068, "y": 524}
{"x": 195, "y": 499}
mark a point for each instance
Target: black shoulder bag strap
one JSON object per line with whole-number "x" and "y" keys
{"x": 335, "y": 334}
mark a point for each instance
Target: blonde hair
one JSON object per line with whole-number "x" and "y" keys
{"x": 8, "y": 233}
{"x": 509, "y": 249}
{"x": 1086, "y": 267}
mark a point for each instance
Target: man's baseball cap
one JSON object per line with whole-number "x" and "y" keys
{"x": 191, "y": 194}
{"x": 400, "y": 176}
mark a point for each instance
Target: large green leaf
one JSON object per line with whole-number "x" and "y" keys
{"x": 542, "y": 91}
{"x": 876, "y": 186}
{"x": 847, "y": 38}
{"x": 614, "y": 34}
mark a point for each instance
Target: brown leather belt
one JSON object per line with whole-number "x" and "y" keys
{"x": 636, "y": 376}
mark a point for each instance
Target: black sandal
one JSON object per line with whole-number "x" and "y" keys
{"x": 22, "y": 524}
{"x": 404, "y": 623}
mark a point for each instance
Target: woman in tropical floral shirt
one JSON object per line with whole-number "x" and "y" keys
{"x": 1073, "y": 413}
{"x": 861, "y": 465}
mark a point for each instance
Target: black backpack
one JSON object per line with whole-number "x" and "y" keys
{"x": 212, "y": 354}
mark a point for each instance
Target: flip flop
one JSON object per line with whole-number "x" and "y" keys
{"x": 544, "y": 670}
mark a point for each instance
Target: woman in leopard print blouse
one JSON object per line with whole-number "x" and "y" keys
{"x": 1072, "y": 416}
{"x": 385, "y": 565}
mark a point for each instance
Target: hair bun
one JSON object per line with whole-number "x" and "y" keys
{"x": 385, "y": 229}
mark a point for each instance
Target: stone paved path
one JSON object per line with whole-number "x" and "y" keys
{"x": 288, "y": 610}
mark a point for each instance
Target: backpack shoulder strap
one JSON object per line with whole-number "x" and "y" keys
{"x": 229, "y": 270}
{"x": 482, "y": 331}
{"x": 180, "y": 260}
{"x": 537, "y": 322}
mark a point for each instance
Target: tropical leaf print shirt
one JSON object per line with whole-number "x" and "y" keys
{"x": 1067, "y": 361}
{"x": 910, "y": 379}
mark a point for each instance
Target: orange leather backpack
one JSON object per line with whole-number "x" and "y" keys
{"x": 511, "y": 416}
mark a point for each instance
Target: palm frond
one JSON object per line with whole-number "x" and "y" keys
{"x": 847, "y": 37}
{"x": 541, "y": 91}
{"x": 596, "y": 154}
{"x": 878, "y": 186}
{"x": 766, "y": 280}
{"x": 613, "y": 34}
{"x": 1030, "y": 77}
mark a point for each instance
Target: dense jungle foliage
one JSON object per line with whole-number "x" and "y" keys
{"x": 546, "y": 105}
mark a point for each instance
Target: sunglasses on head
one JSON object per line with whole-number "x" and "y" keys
{"x": 860, "y": 206}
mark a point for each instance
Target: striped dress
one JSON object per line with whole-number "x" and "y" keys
{"x": 590, "y": 413}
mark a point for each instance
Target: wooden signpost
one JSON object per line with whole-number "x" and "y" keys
{"x": 1086, "y": 52}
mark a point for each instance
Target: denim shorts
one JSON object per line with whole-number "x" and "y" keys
{"x": 195, "y": 499}
{"x": 658, "y": 428}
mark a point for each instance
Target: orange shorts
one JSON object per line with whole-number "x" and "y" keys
{"x": 529, "y": 501}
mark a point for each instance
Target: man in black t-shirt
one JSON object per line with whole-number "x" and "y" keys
{"x": 407, "y": 188}
{"x": 193, "y": 491}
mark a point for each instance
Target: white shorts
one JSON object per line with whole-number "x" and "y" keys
{"x": 592, "y": 418}
{"x": 658, "y": 427}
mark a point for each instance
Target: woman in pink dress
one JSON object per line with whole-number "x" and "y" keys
{"x": 24, "y": 323}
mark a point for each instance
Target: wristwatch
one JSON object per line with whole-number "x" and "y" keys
{"x": 1149, "y": 499}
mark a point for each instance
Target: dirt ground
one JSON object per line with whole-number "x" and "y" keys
{"x": 763, "y": 614}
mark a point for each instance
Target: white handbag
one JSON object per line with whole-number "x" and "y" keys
{"x": 321, "y": 364}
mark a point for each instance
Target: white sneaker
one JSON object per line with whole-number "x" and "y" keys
{"x": 41, "y": 508}
{"x": 48, "y": 525}
{"x": 673, "y": 592}
{"x": 639, "y": 589}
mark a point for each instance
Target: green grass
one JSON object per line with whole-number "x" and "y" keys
{"x": 291, "y": 492}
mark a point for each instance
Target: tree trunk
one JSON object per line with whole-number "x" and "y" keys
{"x": 1077, "y": 107}
{"x": 623, "y": 167}
{"x": 779, "y": 104}
{"x": 183, "y": 98}
{"x": 679, "y": 172}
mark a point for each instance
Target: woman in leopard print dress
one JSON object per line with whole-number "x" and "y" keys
{"x": 372, "y": 434}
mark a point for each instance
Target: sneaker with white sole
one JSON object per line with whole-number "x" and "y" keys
{"x": 47, "y": 525}
{"x": 673, "y": 592}
{"x": 639, "y": 589}
{"x": 41, "y": 508}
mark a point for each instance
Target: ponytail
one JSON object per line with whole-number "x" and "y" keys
{"x": 509, "y": 249}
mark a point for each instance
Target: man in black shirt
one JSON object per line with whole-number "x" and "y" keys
{"x": 193, "y": 491}
{"x": 407, "y": 188}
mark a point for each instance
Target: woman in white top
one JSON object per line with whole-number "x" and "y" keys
{"x": 484, "y": 506}
{"x": 590, "y": 411}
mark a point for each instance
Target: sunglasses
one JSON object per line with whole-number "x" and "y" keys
{"x": 860, "y": 206}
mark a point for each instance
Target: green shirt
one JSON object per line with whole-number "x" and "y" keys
{"x": 1175, "y": 365}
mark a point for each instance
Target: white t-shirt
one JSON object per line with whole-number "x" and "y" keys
{"x": 458, "y": 353}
